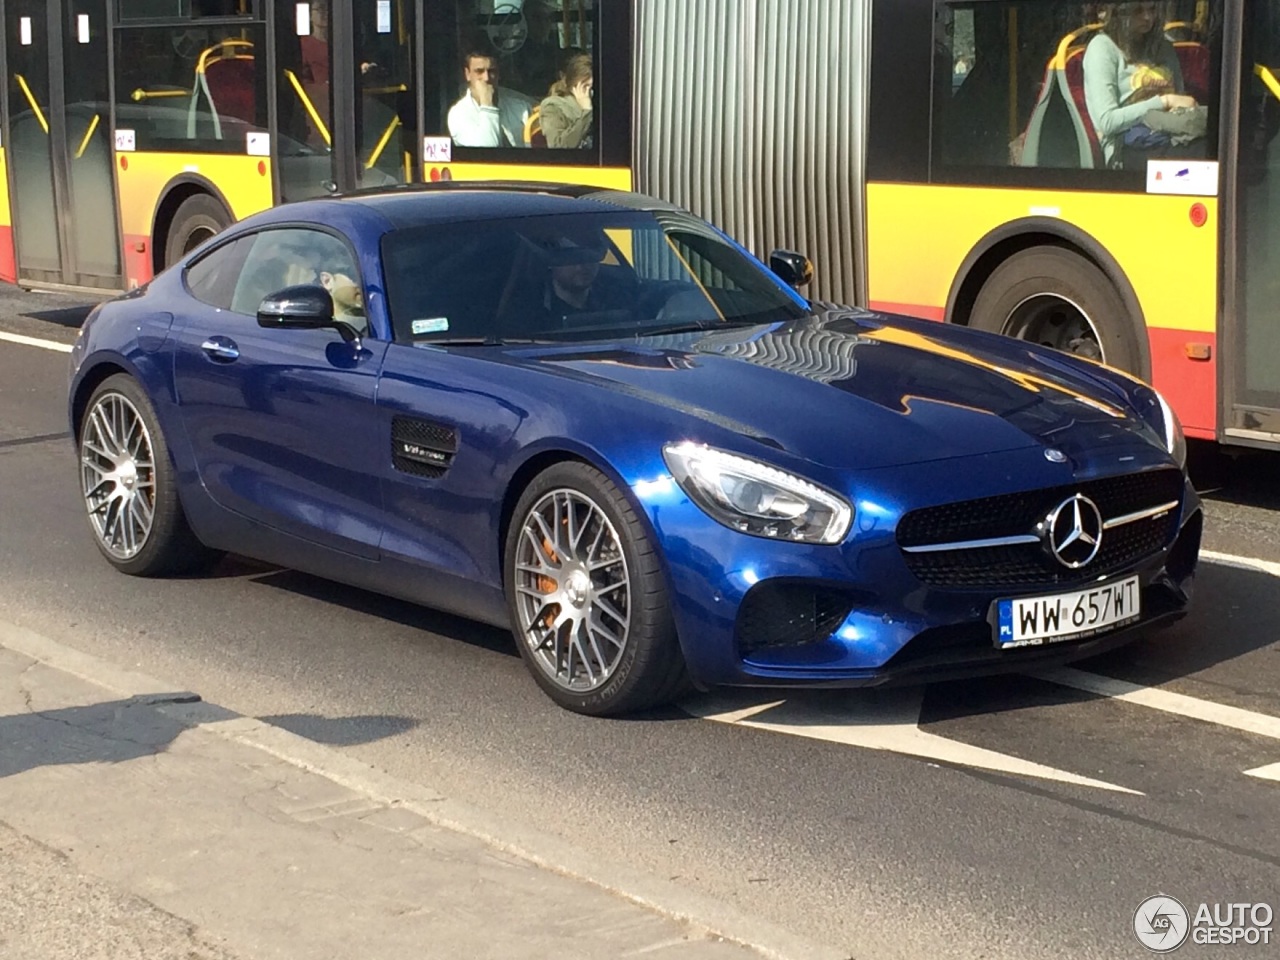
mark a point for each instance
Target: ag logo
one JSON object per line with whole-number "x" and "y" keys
{"x": 1161, "y": 924}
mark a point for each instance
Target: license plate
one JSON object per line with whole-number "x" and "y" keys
{"x": 1057, "y": 617}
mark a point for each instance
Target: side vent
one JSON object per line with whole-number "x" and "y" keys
{"x": 422, "y": 448}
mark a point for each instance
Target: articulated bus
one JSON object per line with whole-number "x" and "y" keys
{"x": 1098, "y": 177}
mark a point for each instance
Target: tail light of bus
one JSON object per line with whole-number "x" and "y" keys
{"x": 1199, "y": 214}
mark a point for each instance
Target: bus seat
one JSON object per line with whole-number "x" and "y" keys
{"x": 1193, "y": 59}
{"x": 1060, "y": 133}
{"x": 225, "y": 80}
{"x": 533, "y": 136}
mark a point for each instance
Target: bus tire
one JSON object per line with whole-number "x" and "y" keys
{"x": 1058, "y": 298}
{"x": 197, "y": 218}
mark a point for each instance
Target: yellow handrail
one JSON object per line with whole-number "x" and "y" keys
{"x": 309, "y": 107}
{"x": 35, "y": 107}
{"x": 84, "y": 144}
{"x": 140, "y": 94}
{"x": 382, "y": 144}
{"x": 1268, "y": 78}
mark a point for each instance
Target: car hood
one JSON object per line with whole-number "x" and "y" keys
{"x": 858, "y": 390}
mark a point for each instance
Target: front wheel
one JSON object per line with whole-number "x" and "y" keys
{"x": 1059, "y": 299}
{"x": 586, "y": 596}
{"x": 129, "y": 485}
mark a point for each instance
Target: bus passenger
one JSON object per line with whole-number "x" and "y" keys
{"x": 1131, "y": 72}
{"x": 487, "y": 115}
{"x": 566, "y": 113}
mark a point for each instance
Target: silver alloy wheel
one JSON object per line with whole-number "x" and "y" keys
{"x": 1052, "y": 320}
{"x": 573, "y": 590}
{"x": 117, "y": 475}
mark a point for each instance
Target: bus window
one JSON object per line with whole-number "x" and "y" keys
{"x": 385, "y": 103}
{"x": 184, "y": 9}
{"x": 191, "y": 88}
{"x": 1067, "y": 85}
{"x": 518, "y": 74}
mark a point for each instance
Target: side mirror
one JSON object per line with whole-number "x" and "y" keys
{"x": 793, "y": 268}
{"x": 304, "y": 307}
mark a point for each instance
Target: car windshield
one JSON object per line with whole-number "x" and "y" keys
{"x": 574, "y": 278}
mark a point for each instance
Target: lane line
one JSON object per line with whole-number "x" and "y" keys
{"x": 1262, "y": 724}
{"x": 1248, "y": 563}
{"x": 890, "y": 723}
{"x": 35, "y": 342}
{"x": 1270, "y": 772}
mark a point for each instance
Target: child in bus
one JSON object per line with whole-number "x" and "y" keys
{"x": 566, "y": 113}
{"x": 1131, "y": 76}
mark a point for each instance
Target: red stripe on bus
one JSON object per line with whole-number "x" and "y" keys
{"x": 8, "y": 257}
{"x": 910, "y": 310}
{"x": 137, "y": 263}
{"x": 1190, "y": 386}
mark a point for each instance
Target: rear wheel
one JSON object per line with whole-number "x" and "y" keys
{"x": 586, "y": 596}
{"x": 1058, "y": 299}
{"x": 197, "y": 218}
{"x": 129, "y": 485}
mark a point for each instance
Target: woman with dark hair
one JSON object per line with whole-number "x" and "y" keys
{"x": 1131, "y": 72}
{"x": 566, "y": 113}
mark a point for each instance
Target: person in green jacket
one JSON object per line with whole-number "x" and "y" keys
{"x": 566, "y": 113}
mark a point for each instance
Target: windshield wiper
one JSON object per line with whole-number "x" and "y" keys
{"x": 694, "y": 327}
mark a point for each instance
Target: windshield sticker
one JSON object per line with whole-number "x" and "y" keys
{"x": 430, "y": 325}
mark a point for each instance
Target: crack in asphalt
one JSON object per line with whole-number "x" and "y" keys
{"x": 1110, "y": 814}
{"x": 39, "y": 438}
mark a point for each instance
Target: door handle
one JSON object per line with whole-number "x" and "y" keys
{"x": 221, "y": 349}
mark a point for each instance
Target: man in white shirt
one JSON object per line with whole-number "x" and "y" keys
{"x": 488, "y": 115}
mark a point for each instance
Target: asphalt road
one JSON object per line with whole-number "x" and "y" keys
{"x": 1019, "y": 817}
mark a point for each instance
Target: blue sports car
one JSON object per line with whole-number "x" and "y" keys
{"x": 594, "y": 418}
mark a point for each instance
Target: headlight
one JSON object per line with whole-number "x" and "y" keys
{"x": 1174, "y": 439}
{"x": 755, "y": 498}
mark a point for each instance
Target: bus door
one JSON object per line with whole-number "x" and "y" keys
{"x": 1251, "y": 366}
{"x": 62, "y": 184}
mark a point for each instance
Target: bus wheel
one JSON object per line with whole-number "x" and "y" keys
{"x": 197, "y": 219}
{"x": 1058, "y": 299}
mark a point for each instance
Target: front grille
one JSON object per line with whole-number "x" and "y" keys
{"x": 774, "y": 615}
{"x": 1019, "y": 513}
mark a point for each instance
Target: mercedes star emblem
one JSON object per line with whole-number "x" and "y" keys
{"x": 1074, "y": 531}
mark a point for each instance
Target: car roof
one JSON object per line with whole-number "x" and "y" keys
{"x": 421, "y": 204}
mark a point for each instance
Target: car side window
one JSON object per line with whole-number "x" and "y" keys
{"x": 212, "y": 278}
{"x": 296, "y": 255}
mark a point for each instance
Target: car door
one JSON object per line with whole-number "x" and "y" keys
{"x": 280, "y": 421}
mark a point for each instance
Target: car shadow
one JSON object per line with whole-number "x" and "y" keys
{"x": 342, "y": 731}
{"x": 401, "y": 612}
{"x": 72, "y": 317}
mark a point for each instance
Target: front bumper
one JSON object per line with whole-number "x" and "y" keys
{"x": 744, "y": 620}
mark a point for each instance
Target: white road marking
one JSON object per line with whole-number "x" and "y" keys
{"x": 1249, "y": 563}
{"x": 886, "y": 720}
{"x": 35, "y": 342}
{"x": 1270, "y": 772}
{"x": 1262, "y": 724}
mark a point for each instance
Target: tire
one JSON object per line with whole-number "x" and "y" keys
{"x": 197, "y": 218}
{"x": 604, "y": 588}
{"x": 1059, "y": 299}
{"x": 129, "y": 486}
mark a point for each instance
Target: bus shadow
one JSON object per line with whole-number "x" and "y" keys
{"x": 1236, "y": 475}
